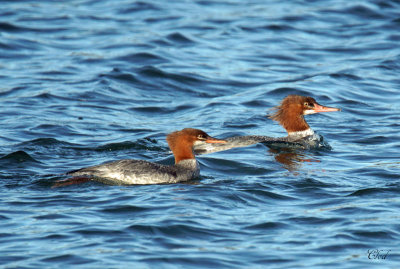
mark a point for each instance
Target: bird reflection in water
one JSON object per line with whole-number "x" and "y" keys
{"x": 292, "y": 159}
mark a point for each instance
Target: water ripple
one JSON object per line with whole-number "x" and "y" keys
{"x": 84, "y": 82}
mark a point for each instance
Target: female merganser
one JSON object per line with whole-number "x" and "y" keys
{"x": 290, "y": 114}
{"x": 142, "y": 172}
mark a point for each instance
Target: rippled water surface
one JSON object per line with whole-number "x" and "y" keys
{"x": 83, "y": 82}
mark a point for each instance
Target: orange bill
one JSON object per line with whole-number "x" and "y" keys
{"x": 318, "y": 108}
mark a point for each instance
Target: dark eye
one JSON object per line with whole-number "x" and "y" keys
{"x": 307, "y": 104}
{"x": 201, "y": 137}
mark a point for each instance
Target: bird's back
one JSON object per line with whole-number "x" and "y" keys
{"x": 139, "y": 172}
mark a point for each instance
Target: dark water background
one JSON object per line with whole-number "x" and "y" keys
{"x": 83, "y": 82}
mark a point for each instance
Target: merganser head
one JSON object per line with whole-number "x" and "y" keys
{"x": 181, "y": 142}
{"x": 290, "y": 112}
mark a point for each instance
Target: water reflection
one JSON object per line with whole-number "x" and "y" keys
{"x": 292, "y": 159}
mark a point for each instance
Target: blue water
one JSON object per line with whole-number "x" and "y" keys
{"x": 83, "y": 82}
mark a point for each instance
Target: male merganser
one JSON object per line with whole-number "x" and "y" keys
{"x": 290, "y": 114}
{"x": 142, "y": 172}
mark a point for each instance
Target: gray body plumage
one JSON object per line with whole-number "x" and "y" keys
{"x": 294, "y": 140}
{"x": 140, "y": 172}
{"x": 233, "y": 142}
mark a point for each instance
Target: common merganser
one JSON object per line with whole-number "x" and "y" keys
{"x": 142, "y": 172}
{"x": 290, "y": 114}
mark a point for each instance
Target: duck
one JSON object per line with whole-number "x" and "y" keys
{"x": 141, "y": 172}
{"x": 290, "y": 115}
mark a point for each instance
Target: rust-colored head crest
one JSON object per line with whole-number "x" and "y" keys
{"x": 181, "y": 142}
{"x": 290, "y": 112}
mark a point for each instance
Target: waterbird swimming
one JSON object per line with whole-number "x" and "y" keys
{"x": 290, "y": 114}
{"x": 129, "y": 171}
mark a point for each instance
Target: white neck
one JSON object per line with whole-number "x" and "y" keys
{"x": 190, "y": 164}
{"x": 304, "y": 133}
